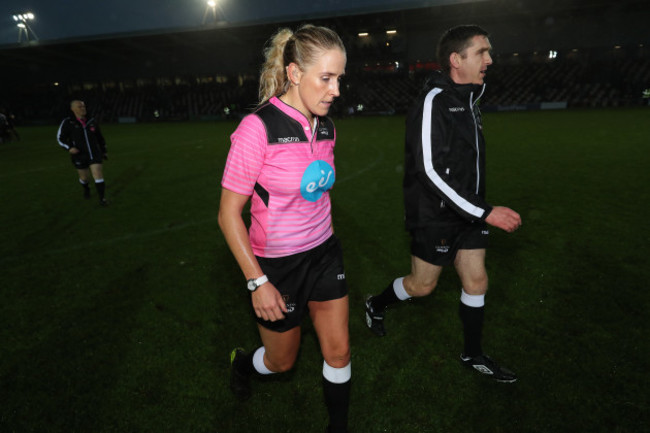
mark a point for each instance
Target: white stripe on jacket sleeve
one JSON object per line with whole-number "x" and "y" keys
{"x": 447, "y": 190}
{"x": 58, "y": 136}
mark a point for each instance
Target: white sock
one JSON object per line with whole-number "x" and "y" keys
{"x": 337, "y": 375}
{"x": 258, "y": 361}
{"x": 475, "y": 301}
{"x": 400, "y": 291}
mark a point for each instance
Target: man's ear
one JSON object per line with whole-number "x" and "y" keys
{"x": 454, "y": 60}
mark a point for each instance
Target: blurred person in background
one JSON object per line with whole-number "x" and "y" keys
{"x": 7, "y": 126}
{"x": 4, "y": 128}
{"x": 83, "y": 140}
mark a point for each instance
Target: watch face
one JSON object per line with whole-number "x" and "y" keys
{"x": 253, "y": 283}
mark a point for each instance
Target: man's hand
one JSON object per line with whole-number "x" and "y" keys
{"x": 268, "y": 303}
{"x": 73, "y": 150}
{"x": 504, "y": 218}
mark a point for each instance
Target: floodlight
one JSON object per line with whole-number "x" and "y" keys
{"x": 23, "y": 26}
{"x": 363, "y": 34}
{"x": 210, "y": 8}
{"x": 391, "y": 32}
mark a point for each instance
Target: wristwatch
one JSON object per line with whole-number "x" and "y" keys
{"x": 253, "y": 283}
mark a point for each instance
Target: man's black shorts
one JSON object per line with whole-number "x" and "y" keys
{"x": 314, "y": 275}
{"x": 82, "y": 160}
{"x": 439, "y": 245}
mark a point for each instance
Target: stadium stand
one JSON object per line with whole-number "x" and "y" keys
{"x": 518, "y": 87}
{"x": 183, "y": 75}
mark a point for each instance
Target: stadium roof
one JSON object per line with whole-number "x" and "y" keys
{"x": 82, "y": 19}
{"x": 236, "y": 48}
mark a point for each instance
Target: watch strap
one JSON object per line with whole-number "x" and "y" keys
{"x": 261, "y": 280}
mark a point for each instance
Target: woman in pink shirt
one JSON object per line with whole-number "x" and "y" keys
{"x": 282, "y": 160}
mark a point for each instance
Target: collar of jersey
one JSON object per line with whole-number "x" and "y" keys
{"x": 293, "y": 113}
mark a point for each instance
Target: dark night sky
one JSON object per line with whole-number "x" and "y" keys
{"x": 81, "y": 18}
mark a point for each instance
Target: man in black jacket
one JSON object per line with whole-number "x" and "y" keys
{"x": 444, "y": 193}
{"x": 83, "y": 139}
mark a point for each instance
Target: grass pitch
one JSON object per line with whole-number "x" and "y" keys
{"x": 121, "y": 319}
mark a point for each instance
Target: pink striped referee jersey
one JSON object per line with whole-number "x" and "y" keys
{"x": 286, "y": 166}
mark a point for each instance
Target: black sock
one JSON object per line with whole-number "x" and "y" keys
{"x": 472, "y": 319}
{"x": 337, "y": 400}
{"x": 101, "y": 186}
{"x": 385, "y": 298}
{"x": 245, "y": 364}
{"x": 86, "y": 188}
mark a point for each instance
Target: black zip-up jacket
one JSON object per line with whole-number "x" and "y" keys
{"x": 88, "y": 139}
{"x": 444, "y": 165}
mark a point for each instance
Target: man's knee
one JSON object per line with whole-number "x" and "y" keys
{"x": 477, "y": 285}
{"x": 96, "y": 170}
{"x": 84, "y": 174}
{"x": 423, "y": 278}
{"x": 419, "y": 288}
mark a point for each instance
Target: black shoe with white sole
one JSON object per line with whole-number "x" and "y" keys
{"x": 486, "y": 365}
{"x": 374, "y": 319}
{"x": 239, "y": 381}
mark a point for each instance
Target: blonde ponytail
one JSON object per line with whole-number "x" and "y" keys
{"x": 301, "y": 48}
{"x": 273, "y": 78}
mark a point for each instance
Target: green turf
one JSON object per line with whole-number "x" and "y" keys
{"x": 121, "y": 319}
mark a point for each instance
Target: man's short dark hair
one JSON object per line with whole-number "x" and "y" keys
{"x": 456, "y": 40}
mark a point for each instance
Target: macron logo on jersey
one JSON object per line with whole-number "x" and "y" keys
{"x": 317, "y": 178}
{"x": 288, "y": 139}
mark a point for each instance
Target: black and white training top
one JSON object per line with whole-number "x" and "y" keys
{"x": 444, "y": 172}
{"x": 83, "y": 134}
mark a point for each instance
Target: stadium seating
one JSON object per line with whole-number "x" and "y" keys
{"x": 579, "y": 84}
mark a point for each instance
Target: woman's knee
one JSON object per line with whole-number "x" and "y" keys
{"x": 280, "y": 360}
{"x": 337, "y": 358}
{"x": 279, "y": 364}
{"x": 337, "y": 354}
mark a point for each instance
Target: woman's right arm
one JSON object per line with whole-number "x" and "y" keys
{"x": 267, "y": 301}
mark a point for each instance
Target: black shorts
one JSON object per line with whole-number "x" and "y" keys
{"x": 439, "y": 245}
{"x": 82, "y": 161}
{"x": 314, "y": 275}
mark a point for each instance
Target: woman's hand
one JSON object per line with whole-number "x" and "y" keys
{"x": 268, "y": 303}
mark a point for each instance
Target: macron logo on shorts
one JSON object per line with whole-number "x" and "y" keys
{"x": 317, "y": 178}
